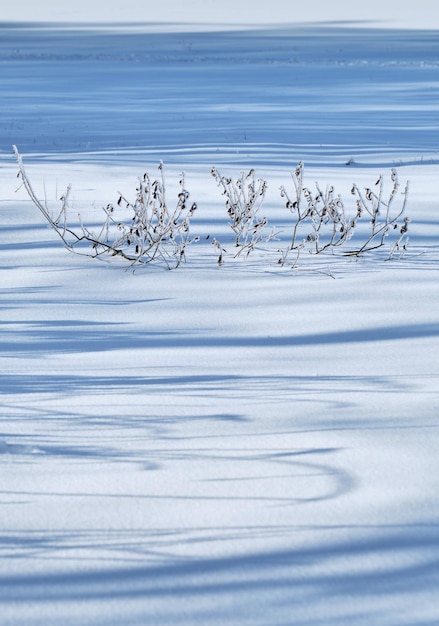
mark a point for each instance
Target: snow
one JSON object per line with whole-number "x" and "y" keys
{"x": 227, "y": 13}
{"x": 245, "y": 444}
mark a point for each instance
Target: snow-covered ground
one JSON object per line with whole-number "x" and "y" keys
{"x": 245, "y": 444}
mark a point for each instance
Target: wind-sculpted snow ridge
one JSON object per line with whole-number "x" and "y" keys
{"x": 92, "y": 90}
{"x": 193, "y": 157}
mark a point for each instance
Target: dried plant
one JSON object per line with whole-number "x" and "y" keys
{"x": 383, "y": 217}
{"x": 146, "y": 230}
{"x": 244, "y": 198}
{"x": 321, "y": 223}
{"x": 154, "y": 232}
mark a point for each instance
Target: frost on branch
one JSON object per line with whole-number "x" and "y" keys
{"x": 321, "y": 223}
{"x": 145, "y": 229}
{"x": 151, "y": 232}
{"x": 244, "y": 197}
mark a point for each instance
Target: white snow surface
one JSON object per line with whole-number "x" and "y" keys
{"x": 247, "y": 444}
{"x": 215, "y": 15}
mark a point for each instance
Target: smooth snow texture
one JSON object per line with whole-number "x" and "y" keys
{"x": 246, "y": 444}
{"x": 218, "y": 15}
